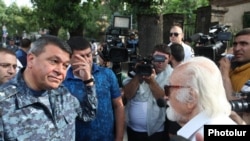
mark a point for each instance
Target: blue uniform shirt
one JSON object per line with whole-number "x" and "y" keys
{"x": 22, "y": 57}
{"x": 48, "y": 115}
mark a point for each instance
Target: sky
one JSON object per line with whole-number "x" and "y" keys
{"x": 18, "y": 2}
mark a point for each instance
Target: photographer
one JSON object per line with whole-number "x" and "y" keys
{"x": 145, "y": 119}
{"x": 236, "y": 73}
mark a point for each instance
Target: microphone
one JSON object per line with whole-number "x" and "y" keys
{"x": 161, "y": 102}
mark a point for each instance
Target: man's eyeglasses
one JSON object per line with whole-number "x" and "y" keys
{"x": 175, "y": 34}
{"x": 167, "y": 88}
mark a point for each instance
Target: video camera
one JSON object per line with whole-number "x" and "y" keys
{"x": 143, "y": 65}
{"x": 212, "y": 45}
{"x": 113, "y": 54}
{"x": 114, "y": 49}
{"x": 242, "y": 105}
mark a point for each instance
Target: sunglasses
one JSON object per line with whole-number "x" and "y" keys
{"x": 167, "y": 88}
{"x": 175, "y": 34}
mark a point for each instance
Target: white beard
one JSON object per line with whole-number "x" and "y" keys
{"x": 172, "y": 114}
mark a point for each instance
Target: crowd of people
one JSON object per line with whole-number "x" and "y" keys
{"x": 53, "y": 90}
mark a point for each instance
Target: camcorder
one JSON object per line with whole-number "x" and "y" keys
{"x": 114, "y": 50}
{"x": 241, "y": 105}
{"x": 214, "y": 44}
{"x": 114, "y": 54}
{"x": 143, "y": 65}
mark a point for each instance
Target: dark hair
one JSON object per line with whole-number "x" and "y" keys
{"x": 177, "y": 51}
{"x": 25, "y": 43}
{"x": 37, "y": 47}
{"x": 164, "y": 48}
{"x": 245, "y": 31}
{"x": 79, "y": 43}
{"x": 8, "y": 51}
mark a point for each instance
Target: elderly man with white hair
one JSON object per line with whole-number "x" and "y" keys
{"x": 197, "y": 97}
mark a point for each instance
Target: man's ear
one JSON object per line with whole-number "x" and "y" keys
{"x": 192, "y": 99}
{"x": 30, "y": 58}
{"x": 170, "y": 57}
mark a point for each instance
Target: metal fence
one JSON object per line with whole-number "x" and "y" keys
{"x": 189, "y": 30}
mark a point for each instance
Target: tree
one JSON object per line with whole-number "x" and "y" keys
{"x": 14, "y": 20}
{"x": 17, "y": 19}
{"x": 54, "y": 15}
{"x": 150, "y": 12}
{"x": 84, "y": 17}
{"x": 29, "y": 23}
{"x": 3, "y": 16}
{"x": 72, "y": 15}
{"x": 150, "y": 24}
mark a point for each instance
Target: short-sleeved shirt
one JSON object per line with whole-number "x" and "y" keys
{"x": 107, "y": 89}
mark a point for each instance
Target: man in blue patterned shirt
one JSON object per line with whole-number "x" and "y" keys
{"x": 109, "y": 122}
{"x": 34, "y": 106}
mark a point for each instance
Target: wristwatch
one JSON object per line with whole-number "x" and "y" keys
{"x": 89, "y": 80}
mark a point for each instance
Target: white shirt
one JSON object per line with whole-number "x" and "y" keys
{"x": 188, "y": 51}
{"x": 19, "y": 65}
{"x": 196, "y": 125}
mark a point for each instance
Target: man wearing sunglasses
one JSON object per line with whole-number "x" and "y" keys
{"x": 196, "y": 97}
{"x": 236, "y": 73}
{"x": 176, "y": 36}
{"x": 145, "y": 119}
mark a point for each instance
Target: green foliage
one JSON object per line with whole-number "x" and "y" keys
{"x": 99, "y": 16}
{"x": 88, "y": 15}
{"x": 3, "y": 16}
{"x": 185, "y": 7}
{"x": 17, "y": 19}
{"x": 146, "y": 6}
{"x": 14, "y": 22}
{"x": 70, "y": 14}
{"x": 63, "y": 34}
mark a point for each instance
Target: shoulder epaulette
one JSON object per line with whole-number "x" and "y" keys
{"x": 7, "y": 92}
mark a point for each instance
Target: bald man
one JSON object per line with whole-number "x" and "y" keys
{"x": 176, "y": 36}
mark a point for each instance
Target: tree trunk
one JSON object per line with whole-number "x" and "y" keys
{"x": 150, "y": 31}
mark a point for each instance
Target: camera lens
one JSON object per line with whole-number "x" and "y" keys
{"x": 240, "y": 105}
{"x": 144, "y": 69}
